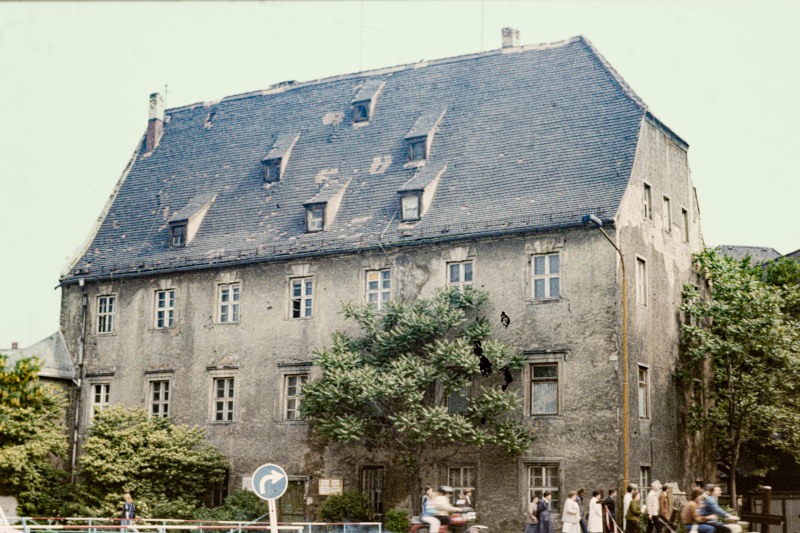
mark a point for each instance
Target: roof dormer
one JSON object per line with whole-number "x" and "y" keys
{"x": 363, "y": 104}
{"x": 322, "y": 208}
{"x": 278, "y": 157}
{"x": 184, "y": 223}
{"x": 420, "y": 137}
{"x": 416, "y": 195}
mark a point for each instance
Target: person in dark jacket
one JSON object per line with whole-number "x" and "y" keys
{"x": 543, "y": 512}
{"x": 128, "y": 510}
{"x": 610, "y": 511}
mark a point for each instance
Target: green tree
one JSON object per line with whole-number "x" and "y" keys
{"x": 168, "y": 468}
{"x": 32, "y": 437}
{"x": 745, "y": 333}
{"x": 397, "y": 385}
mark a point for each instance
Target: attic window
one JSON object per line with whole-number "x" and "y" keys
{"x": 177, "y": 235}
{"x": 315, "y": 218}
{"x": 361, "y": 112}
{"x": 409, "y": 207}
{"x": 416, "y": 149}
{"x": 272, "y": 170}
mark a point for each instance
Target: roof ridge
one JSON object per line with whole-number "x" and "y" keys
{"x": 281, "y": 87}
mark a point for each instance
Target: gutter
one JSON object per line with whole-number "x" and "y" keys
{"x": 79, "y": 381}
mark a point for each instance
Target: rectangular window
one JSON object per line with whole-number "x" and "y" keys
{"x": 459, "y": 274}
{"x": 302, "y": 297}
{"x": 461, "y": 478}
{"x": 372, "y": 487}
{"x": 178, "y": 237}
{"x": 101, "y": 395}
{"x": 410, "y": 207}
{"x": 641, "y": 281}
{"x": 106, "y": 311}
{"x": 229, "y": 295}
{"x": 315, "y": 218}
{"x": 685, "y": 216}
{"x": 272, "y": 170}
{"x": 159, "y": 398}
{"x": 544, "y": 388}
{"x": 542, "y": 477}
{"x": 165, "y": 308}
{"x": 546, "y": 274}
{"x": 644, "y": 393}
{"x": 379, "y": 288}
{"x": 223, "y": 399}
{"x": 667, "y": 215}
{"x": 644, "y": 478}
{"x": 647, "y": 198}
{"x": 292, "y": 395}
{"x": 416, "y": 150}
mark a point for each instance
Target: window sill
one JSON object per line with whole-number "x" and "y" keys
{"x": 222, "y": 422}
{"x": 161, "y": 330}
{"x": 300, "y": 317}
{"x": 106, "y": 334}
{"x": 294, "y": 422}
{"x": 545, "y": 301}
{"x": 226, "y": 323}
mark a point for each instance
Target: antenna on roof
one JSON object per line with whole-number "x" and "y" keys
{"x": 166, "y": 90}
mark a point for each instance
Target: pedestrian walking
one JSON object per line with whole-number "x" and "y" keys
{"x": 652, "y": 506}
{"x": 531, "y": 518}
{"x": 634, "y": 513}
{"x": 626, "y": 502}
{"x": 571, "y": 514}
{"x": 595, "y": 523}
{"x": 610, "y": 511}
{"x": 128, "y": 511}
{"x": 543, "y": 513}
{"x": 581, "y": 499}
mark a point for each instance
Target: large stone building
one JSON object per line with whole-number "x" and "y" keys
{"x": 240, "y": 226}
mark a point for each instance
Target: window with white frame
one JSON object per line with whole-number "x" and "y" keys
{"x": 644, "y": 477}
{"x": 644, "y": 392}
{"x": 106, "y": 313}
{"x": 641, "y": 281}
{"x": 379, "y": 288}
{"x": 224, "y": 398}
{"x": 178, "y": 235}
{"x": 165, "y": 309}
{"x": 459, "y": 274}
{"x": 461, "y": 478}
{"x": 159, "y": 398}
{"x": 101, "y": 396}
{"x": 409, "y": 205}
{"x": 685, "y": 216}
{"x": 302, "y": 299}
{"x": 542, "y": 477}
{"x": 544, "y": 388}
{"x": 292, "y": 395}
{"x": 229, "y": 296}
{"x": 647, "y": 202}
{"x": 546, "y": 276}
{"x": 315, "y": 218}
{"x": 667, "y": 214}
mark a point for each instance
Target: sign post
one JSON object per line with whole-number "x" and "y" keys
{"x": 269, "y": 483}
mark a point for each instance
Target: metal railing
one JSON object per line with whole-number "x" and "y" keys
{"x": 28, "y": 524}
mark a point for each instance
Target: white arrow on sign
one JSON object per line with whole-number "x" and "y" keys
{"x": 273, "y": 477}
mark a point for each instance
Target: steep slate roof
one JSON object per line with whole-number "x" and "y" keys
{"x": 758, "y": 254}
{"x": 532, "y": 137}
{"x": 52, "y": 353}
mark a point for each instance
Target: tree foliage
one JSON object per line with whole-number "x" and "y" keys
{"x": 747, "y": 332}
{"x": 32, "y": 437}
{"x": 167, "y": 468}
{"x": 241, "y": 506}
{"x": 389, "y": 387}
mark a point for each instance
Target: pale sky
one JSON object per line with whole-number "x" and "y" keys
{"x": 75, "y": 79}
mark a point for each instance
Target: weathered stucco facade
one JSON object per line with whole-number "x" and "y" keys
{"x": 256, "y": 357}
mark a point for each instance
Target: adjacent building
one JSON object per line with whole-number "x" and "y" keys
{"x": 240, "y": 226}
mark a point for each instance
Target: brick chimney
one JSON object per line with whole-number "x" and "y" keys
{"x": 510, "y": 37}
{"x": 14, "y": 345}
{"x": 155, "y": 124}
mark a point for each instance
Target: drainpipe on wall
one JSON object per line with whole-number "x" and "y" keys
{"x": 79, "y": 382}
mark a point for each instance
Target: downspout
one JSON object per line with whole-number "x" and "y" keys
{"x": 79, "y": 382}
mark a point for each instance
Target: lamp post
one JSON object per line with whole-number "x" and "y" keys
{"x": 594, "y": 221}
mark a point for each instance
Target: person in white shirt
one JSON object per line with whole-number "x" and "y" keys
{"x": 626, "y": 502}
{"x": 596, "y": 512}
{"x": 652, "y": 507}
{"x": 571, "y": 515}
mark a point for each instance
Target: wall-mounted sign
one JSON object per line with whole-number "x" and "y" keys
{"x": 330, "y": 486}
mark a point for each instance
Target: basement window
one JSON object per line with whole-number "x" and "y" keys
{"x": 315, "y": 218}
{"x": 177, "y": 237}
{"x": 409, "y": 207}
{"x": 416, "y": 150}
{"x": 361, "y": 112}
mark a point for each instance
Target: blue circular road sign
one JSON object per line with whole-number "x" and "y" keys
{"x": 270, "y": 481}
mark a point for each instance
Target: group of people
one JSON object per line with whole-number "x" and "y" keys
{"x": 701, "y": 514}
{"x": 436, "y": 506}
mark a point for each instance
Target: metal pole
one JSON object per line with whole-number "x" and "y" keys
{"x": 273, "y": 517}
{"x": 766, "y": 506}
{"x": 626, "y": 422}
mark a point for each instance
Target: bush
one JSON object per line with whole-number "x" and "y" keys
{"x": 351, "y": 506}
{"x": 240, "y": 506}
{"x": 395, "y": 520}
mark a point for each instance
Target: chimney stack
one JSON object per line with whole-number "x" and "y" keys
{"x": 14, "y": 345}
{"x": 510, "y": 37}
{"x": 155, "y": 124}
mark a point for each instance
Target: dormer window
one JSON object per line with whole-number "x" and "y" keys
{"x": 178, "y": 235}
{"x": 272, "y": 170}
{"x": 417, "y": 149}
{"x": 361, "y": 112}
{"x": 315, "y": 218}
{"x": 409, "y": 207}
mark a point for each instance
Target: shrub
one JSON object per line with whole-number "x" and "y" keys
{"x": 350, "y": 506}
{"x": 396, "y": 520}
{"x": 240, "y": 506}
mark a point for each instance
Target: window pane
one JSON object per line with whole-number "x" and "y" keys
{"x": 467, "y": 271}
{"x": 297, "y": 288}
{"x": 538, "y": 265}
{"x": 554, "y": 288}
{"x": 455, "y": 276}
{"x": 553, "y": 263}
{"x": 545, "y": 398}
{"x": 309, "y": 287}
{"x": 538, "y": 289}
{"x": 545, "y": 371}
